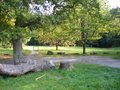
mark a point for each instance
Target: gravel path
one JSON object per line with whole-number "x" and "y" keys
{"x": 105, "y": 61}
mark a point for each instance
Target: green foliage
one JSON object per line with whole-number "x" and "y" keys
{"x": 71, "y": 20}
{"x": 68, "y": 20}
{"x": 57, "y": 35}
{"x": 16, "y": 21}
{"x": 111, "y": 38}
{"x": 34, "y": 42}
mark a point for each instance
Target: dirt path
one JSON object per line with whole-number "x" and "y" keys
{"x": 105, "y": 61}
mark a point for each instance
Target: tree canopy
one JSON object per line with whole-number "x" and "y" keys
{"x": 77, "y": 19}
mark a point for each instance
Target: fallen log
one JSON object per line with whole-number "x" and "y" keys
{"x": 22, "y": 68}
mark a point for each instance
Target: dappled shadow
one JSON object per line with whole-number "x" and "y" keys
{"x": 5, "y": 56}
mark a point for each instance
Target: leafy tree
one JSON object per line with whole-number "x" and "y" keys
{"x": 86, "y": 22}
{"x": 57, "y": 36}
{"x": 112, "y": 36}
{"x": 17, "y": 23}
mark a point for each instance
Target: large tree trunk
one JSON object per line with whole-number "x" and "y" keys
{"x": 17, "y": 51}
{"x": 22, "y": 68}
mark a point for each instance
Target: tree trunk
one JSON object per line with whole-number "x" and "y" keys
{"x": 17, "y": 51}
{"x": 83, "y": 35}
{"x": 56, "y": 46}
{"x": 84, "y": 42}
{"x": 84, "y": 47}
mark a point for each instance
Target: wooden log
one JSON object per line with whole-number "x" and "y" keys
{"x": 29, "y": 66}
{"x": 66, "y": 65}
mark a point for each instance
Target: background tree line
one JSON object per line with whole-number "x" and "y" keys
{"x": 107, "y": 39}
{"x": 68, "y": 22}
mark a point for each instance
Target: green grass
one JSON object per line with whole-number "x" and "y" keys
{"x": 82, "y": 77}
{"x": 69, "y": 51}
{"x": 76, "y": 51}
{"x": 5, "y": 51}
{"x": 10, "y": 51}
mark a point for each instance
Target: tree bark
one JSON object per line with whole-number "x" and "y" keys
{"x": 84, "y": 47}
{"x": 83, "y": 36}
{"x": 22, "y": 68}
{"x": 84, "y": 42}
{"x": 17, "y": 51}
{"x": 66, "y": 65}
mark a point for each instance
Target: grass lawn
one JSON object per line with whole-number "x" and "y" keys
{"x": 77, "y": 51}
{"x": 83, "y": 77}
{"x": 7, "y": 53}
{"x": 69, "y": 51}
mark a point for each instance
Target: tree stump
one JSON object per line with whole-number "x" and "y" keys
{"x": 93, "y": 53}
{"x": 66, "y": 65}
{"x": 50, "y": 53}
{"x": 106, "y": 53}
{"x": 60, "y": 53}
